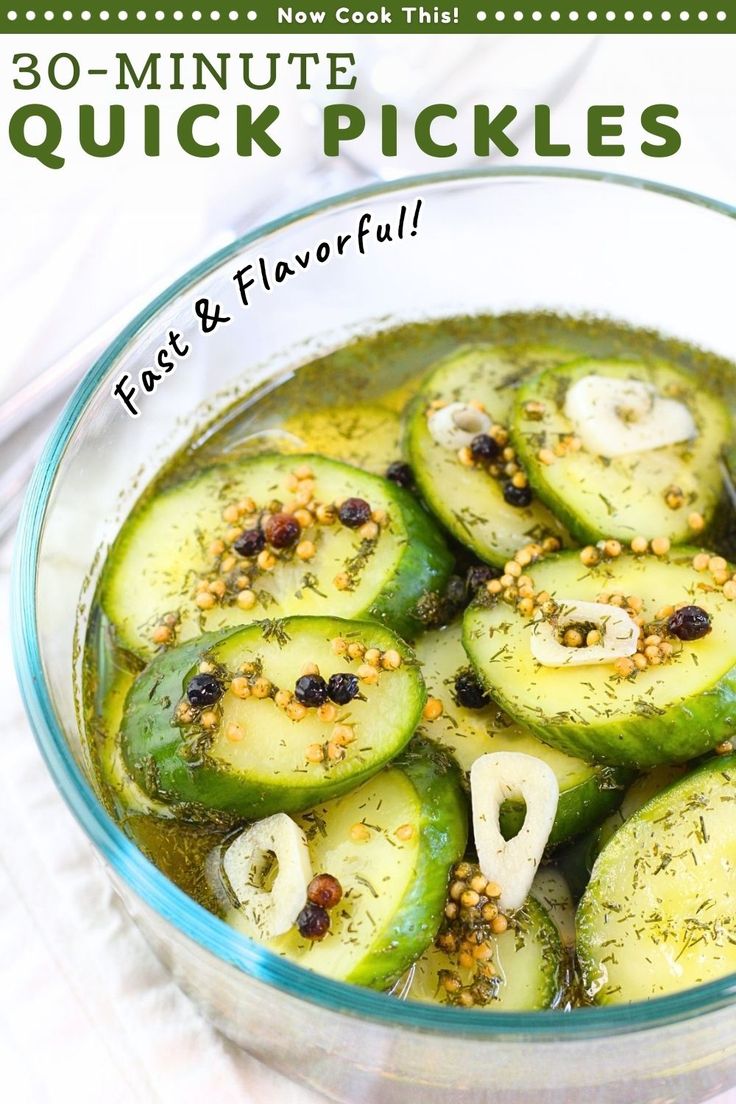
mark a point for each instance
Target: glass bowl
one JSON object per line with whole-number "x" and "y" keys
{"x": 487, "y": 241}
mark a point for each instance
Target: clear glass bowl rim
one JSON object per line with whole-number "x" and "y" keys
{"x": 121, "y": 853}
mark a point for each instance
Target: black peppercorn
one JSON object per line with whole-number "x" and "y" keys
{"x": 468, "y": 691}
{"x": 249, "y": 543}
{"x": 342, "y": 687}
{"x": 689, "y": 623}
{"x": 354, "y": 512}
{"x": 517, "y": 496}
{"x": 203, "y": 690}
{"x": 311, "y": 690}
{"x": 401, "y": 474}
{"x": 313, "y": 921}
{"x": 484, "y": 449}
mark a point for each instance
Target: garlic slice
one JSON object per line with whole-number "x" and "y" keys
{"x": 619, "y": 635}
{"x": 454, "y": 426}
{"x": 494, "y": 778}
{"x": 613, "y": 417}
{"x": 264, "y": 913}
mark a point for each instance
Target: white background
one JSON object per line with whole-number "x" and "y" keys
{"x": 86, "y": 1012}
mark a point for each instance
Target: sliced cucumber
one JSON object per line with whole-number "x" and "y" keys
{"x": 390, "y": 844}
{"x": 650, "y": 493}
{"x": 528, "y": 963}
{"x": 587, "y": 793}
{"x": 167, "y": 548}
{"x": 664, "y": 714}
{"x": 467, "y": 500}
{"x": 255, "y": 759}
{"x": 659, "y": 913}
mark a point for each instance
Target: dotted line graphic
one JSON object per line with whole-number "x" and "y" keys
{"x": 155, "y": 15}
{"x": 510, "y": 16}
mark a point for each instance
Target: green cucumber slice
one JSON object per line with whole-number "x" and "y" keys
{"x": 529, "y": 962}
{"x": 414, "y": 819}
{"x": 587, "y": 793}
{"x": 256, "y": 760}
{"x": 665, "y": 714}
{"x": 467, "y": 500}
{"x": 163, "y": 551}
{"x": 659, "y": 913}
{"x": 623, "y": 496}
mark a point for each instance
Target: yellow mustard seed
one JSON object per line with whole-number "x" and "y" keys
{"x": 339, "y": 646}
{"x": 360, "y": 832}
{"x": 306, "y": 550}
{"x": 235, "y": 732}
{"x": 729, "y": 590}
{"x": 231, "y": 535}
{"x": 295, "y": 711}
{"x": 373, "y": 657}
{"x": 314, "y": 753}
{"x": 217, "y": 587}
{"x": 716, "y": 564}
{"x": 327, "y": 712}
{"x": 432, "y": 710}
{"x": 499, "y": 925}
{"x": 247, "y": 505}
{"x": 701, "y": 561}
{"x": 356, "y": 650}
{"x": 369, "y": 531}
{"x": 572, "y": 638}
{"x": 494, "y": 586}
{"x": 261, "y": 687}
{"x": 282, "y": 698}
{"x": 639, "y": 661}
{"x": 592, "y": 638}
{"x": 304, "y": 471}
{"x": 231, "y": 514}
{"x": 589, "y": 556}
{"x": 325, "y": 514}
{"x": 227, "y": 564}
{"x": 335, "y": 752}
{"x": 380, "y": 517}
{"x": 246, "y": 600}
{"x": 518, "y": 479}
{"x": 303, "y": 517}
{"x": 721, "y": 577}
{"x": 612, "y": 548}
{"x": 639, "y": 545}
{"x": 660, "y": 546}
{"x": 696, "y": 522}
{"x": 217, "y": 547}
{"x": 506, "y": 581}
{"x": 343, "y": 734}
{"x": 162, "y": 634}
{"x": 478, "y": 883}
{"x": 404, "y": 831}
{"x": 240, "y": 687}
{"x": 209, "y": 719}
{"x": 546, "y": 456}
{"x": 367, "y": 674}
{"x": 526, "y": 606}
{"x": 624, "y": 666}
{"x": 523, "y": 557}
{"x": 243, "y": 582}
{"x": 512, "y": 568}
{"x": 465, "y": 456}
{"x": 341, "y": 581}
{"x": 205, "y": 601}
{"x": 724, "y": 748}
{"x": 391, "y": 660}
{"x": 291, "y": 483}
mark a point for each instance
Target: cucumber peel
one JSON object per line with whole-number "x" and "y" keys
{"x": 165, "y": 548}
{"x": 467, "y": 500}
{"x": 624, "y": 496}
{"x": 659, "y": 912}
{"x": 206, "y": 773}
{"x": 663, "y": 714}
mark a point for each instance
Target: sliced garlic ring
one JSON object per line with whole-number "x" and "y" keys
{"x": 265, "y": 913}
{"x": 613, "y": 417}
{"x": 619, "y": 635}
{"x": 454, "y": 426}
{"x": 494, "y": 778}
